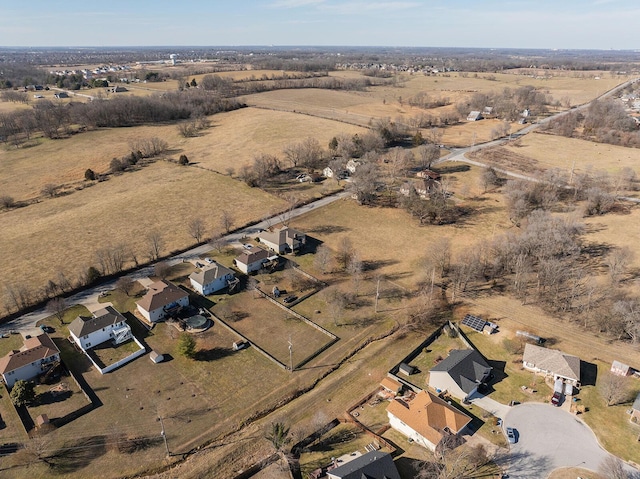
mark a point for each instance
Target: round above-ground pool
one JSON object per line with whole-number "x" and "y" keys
{"x": 196, "y": 322}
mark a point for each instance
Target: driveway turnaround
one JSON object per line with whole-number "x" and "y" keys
{"x": 549, "y": 438}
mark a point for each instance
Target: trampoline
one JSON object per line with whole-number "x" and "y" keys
{"x": 196, "y": 322}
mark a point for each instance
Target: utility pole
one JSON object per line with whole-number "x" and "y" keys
{"x": 164, "y": 436}
{"x": 377, "y": 294}
{"x": 290, "y": 355}
{"x": 572, "y": 168}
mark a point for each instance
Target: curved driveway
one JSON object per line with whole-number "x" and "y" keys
{"x": 549, "y": 438}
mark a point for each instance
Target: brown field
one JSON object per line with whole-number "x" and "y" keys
{"x": 616, "y": 230}
{"x": 63, "y": 233}
{"x": 26, "y": 170}
{"x": 236, "y": 137}
{"x": 551, "y": 151}
{"x": 396, "y": 241}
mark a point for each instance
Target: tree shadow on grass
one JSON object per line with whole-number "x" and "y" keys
{"x": 328, "y": 229}
{"x": 213, "y": 354}
{"x": 78, "y": 454}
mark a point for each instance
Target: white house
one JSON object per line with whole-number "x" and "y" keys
{"x": 251, "y": 259}
{"x": 105, "y": 324}
{"x": 161, "y": 297}
{"x": 426, "y": 419}
{"x": 282, "y": 239}
{"x": 37, "y": 356}
{"x": 211, "y": 278}
{"x": 352, "y": 165}
{"x": 460, "y": 373}
{"x": 553, "y": 363}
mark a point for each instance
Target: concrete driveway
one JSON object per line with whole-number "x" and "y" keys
{"x": 549, "y": 438}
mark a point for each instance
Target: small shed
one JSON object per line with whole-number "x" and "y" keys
{"x": 474, "y": 116}
{"x": 406, "y": 369}
{"x": 621, "y": 369}
{"x": 156, "y": 357}
{"x": 392, "y": 385}
{"x": 635, "y": 410}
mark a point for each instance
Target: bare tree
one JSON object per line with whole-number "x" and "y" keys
{"x": 336, "y": 304}
{"x": 427, "y": 154}
{"x": 438, "y": 257}
{"x": 161, "y": 270}
{"x": 196, "y": 229}
{"x": 226, "y": 220}
{"x": 345, "y": 252}
{"x": 57, "y": 307}
{"x": 614, "y": 389}
{"x": 218, "y": 243}
{"x": 612, "y": 468}
{"x": 50, "y": 190}
{"x": 7, "y": 202}
{"x": 292, "y": 202}
{"x": 125, "y": 284}
{"x": 322, "y": 259}
{"x": 618, "y": 261}
{"x": 355, "y": 268}
{"x": 155, "y": 244}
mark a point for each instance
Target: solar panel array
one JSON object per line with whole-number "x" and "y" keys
{"x": 474, "y": 322}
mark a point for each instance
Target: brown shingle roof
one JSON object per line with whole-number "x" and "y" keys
{"x": 81, "y": 326}
{"x": 40, "y": 347}
{"x": 552, "y": 360}
{"x": 252, "y": 255}
{"x": 209, "y": 273}
{"x": 160, "y": 294}
{"x": 391, "y": 384}
{"x": 428, "y": 415}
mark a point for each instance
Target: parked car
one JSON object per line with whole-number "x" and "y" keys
{"x": 556, "y": 398}
{"x": 511, "y": 435}
{"x": 47, "y": 329}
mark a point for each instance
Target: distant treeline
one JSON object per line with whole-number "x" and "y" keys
{"x": 55, "y": 120}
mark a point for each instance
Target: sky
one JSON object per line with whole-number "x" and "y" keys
{"x": 562, "y": 24}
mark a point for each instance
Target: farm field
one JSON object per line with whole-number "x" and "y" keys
{"x": 619, "y": 230}
{"x": 162, "y": 196}
{"x": 551, "y": 151}
{"x": 237, "y": 136}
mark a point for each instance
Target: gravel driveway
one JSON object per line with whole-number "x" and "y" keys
{"x": 549, "y": 438}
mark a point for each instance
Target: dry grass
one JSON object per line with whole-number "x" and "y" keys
{"x": 394, "y": 240}
{"x": 550, "y": 151}
{"x": 161, "y": 196}
{"x": 26, "y": 170}
{"x": 237, "y": 136}
{"x": 616, "y": 230}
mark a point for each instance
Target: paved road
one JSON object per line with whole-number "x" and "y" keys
{"x": 26, "y": 324}
{"x": 549, "y": 438}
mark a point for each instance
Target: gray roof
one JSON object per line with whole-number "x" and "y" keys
{"x": 552, "y": 360}
{"x": 466, "y": 367}
{"x": 209, "y": 273}
{"x": 81, "y": 326}
{"x": 373, "y": 465}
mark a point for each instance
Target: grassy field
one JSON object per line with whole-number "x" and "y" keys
{"x": 550, "y": 151}
{"x": 237, "y": 136}
{"x": 395, "y": 242}
{"x": 616, "y": 230}
{"x": 121, "y": 210}
{"x": 271, "y": 328}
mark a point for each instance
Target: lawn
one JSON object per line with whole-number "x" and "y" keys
{"x": 611, "y": 424}
{"x": 271, "y": 328}
{"x": 509, "y": 374}
{"x": 11, "y": 429}
{"x": 57, "y": 400}
{"x": 106, "y": 353}
{"x": 432, "y": 355}
{"x": 121, "y": 211}
{"x": 14, "y": 341}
